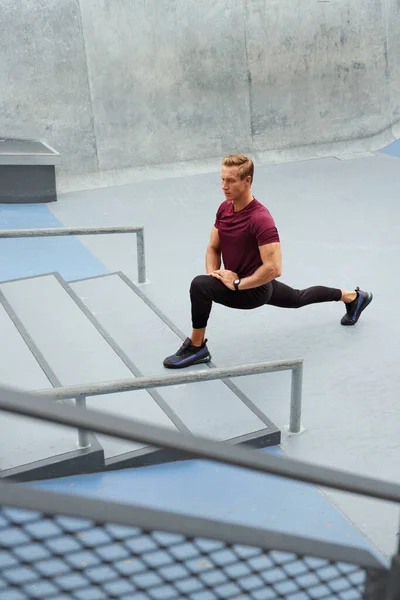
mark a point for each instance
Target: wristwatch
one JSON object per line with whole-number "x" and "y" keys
{"x": 236, "y": 284}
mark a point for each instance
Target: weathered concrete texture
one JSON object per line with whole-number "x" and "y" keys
{"x": 43, "y": 78}
{"x": 318, "y": 75}
{"x": 119, "y": 85}
{"x": 169, "y": 80}
{"x": 392, "y": 8}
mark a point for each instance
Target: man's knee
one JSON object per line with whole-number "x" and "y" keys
{"x": 200, "y": 284}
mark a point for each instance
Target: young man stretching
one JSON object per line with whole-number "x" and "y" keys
{"x": 244, "y": 234}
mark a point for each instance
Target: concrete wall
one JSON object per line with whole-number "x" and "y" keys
{"x": 168, "y": 79}
{"x": 318, "y": 74}
{"x": 392, "y": 50}
{"x": 124, "y": 83}
{"x": 44, "y": 90}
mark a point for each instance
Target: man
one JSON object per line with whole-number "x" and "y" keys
{"x": 245, "y": 236}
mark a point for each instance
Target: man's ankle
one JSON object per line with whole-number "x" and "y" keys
{"x": 348, "y": 297}
{"x": 198, "y": 337}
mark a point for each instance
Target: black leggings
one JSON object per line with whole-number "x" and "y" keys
{"x": 205, "y": 290}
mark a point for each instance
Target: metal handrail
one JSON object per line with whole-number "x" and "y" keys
{"x": 80, "y": 392}
{"x": 62, "y": 231}
{"x": 364, "y": 569}
{"x": 190, "y": 446}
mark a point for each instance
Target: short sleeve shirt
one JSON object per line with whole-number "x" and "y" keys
{"x": 241, "y": 233}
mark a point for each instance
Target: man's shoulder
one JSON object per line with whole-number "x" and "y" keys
{"x": 221, "y": 214}
{"x": 260, "y": 211}
{"x": 224, "y": 205}
{"x": 223, "y": 208}
{"x": 263, "y": 225}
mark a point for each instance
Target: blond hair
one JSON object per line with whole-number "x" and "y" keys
{"x": 246, "y": 166}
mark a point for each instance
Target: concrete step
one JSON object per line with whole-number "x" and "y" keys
{"x": 23, "y": 440}
{"x": 211, "y": 409}
{"x": 77, "y": 353}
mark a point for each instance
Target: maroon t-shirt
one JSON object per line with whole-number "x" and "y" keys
{"x": 241, "y": 233}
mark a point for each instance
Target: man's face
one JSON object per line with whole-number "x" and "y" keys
{"x": 233, "y": 187}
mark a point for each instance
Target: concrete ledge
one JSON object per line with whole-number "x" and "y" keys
{"x": 76, "y": 462}
{"x": 27, "y": 172}
{"x": 27, "y": 152}
{"x": 27, "y": 184}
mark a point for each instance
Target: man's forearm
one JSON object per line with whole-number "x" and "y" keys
{"x": 263, "y": 275}
{"x": 213, "y": 260}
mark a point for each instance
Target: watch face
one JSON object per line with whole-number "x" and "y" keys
{"x": 236, "y": 281}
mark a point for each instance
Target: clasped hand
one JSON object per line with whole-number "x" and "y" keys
{"x": 227, "y": 277}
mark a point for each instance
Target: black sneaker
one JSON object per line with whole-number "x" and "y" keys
{"x": 188, "y": 355}
{"x": 355, "y": 308}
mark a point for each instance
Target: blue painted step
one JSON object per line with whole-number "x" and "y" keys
{"x": 224, "y": 493}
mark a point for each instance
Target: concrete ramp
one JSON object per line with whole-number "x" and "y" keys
{"x": 24, "y": 441}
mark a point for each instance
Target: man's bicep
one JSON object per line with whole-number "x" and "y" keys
{"x": 271, "y": 255}
{"x": 214, "y": 239}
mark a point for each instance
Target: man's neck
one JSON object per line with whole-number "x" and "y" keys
{"x": 240, "y": 204}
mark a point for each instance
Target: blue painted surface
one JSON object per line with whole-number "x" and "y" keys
{"x": 210, "y": 490}
{"x": 33, "y": 256}
{"x": 393, "y": 149}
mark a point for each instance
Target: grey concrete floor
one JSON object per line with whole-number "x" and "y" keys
{"x": 339, "y": 224}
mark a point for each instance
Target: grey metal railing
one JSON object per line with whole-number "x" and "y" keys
{"x": 252, "y": 560}
{"x": 53, "y": 548}
{"x": 81, "y": 392}
{"x": 64, "y": 231}
{"x": 39, "y": 407}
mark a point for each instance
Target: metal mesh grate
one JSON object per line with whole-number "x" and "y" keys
{"x": 61, "y": 558}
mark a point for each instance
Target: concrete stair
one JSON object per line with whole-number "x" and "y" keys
{"x": 100, "y": 329}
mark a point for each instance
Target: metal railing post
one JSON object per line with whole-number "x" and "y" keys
{"x": 62, "y": 231}
{"x": 83, "y": 435}
{"x": 295, "y": 399}
{"x": 141, "y": 262}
